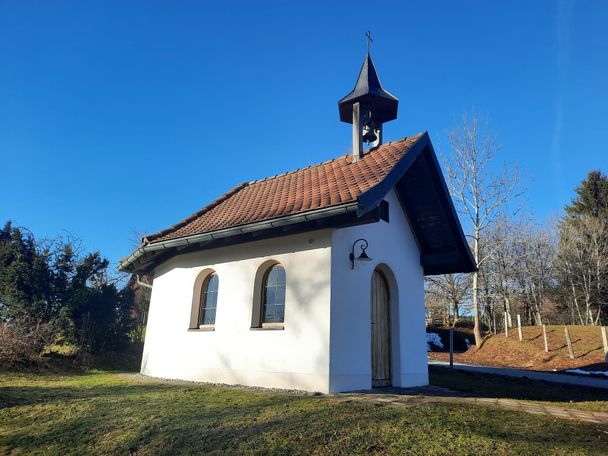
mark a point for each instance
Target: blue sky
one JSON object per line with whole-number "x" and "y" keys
{"x": 120, "y": 117}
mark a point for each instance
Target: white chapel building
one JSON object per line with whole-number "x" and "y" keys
{"x": 312, "y": 279}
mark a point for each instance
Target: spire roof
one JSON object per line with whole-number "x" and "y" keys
{"x": 370, "y": 93}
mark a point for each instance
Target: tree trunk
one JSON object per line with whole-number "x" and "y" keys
{"x": 476, "y": 329}
{"x": 508, "y": 311}
{"x": 575, "y": 301}
{"x": 456, "y": 313}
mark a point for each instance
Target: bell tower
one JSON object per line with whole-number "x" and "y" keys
{"x": 367, "y": 107}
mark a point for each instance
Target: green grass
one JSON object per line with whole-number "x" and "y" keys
{"x": 107, "y": 413}
{"x": 486, "y": 385}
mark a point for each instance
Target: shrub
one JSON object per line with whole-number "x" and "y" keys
{"x": 23, "y": 339}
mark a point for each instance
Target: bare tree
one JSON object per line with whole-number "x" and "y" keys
{"x": 536, "y": 270}
{"x": 479, "y": 193}
{"x": 505, "y": 237}
{"x": 583, "y": 264}
{"x": 448, "y": 294}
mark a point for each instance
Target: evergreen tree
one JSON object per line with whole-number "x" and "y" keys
{"x": 583, "y": 251}
{"x": 25, "y": 276}
{"x": 54, "y": 284}
{"x": 591, "y": 197}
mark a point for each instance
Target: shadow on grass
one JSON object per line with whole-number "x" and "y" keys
{"x": 11, "y": 396}
{"x": 119, "y": 419}
{"x": 365, "y": 429}
{"x": 589, "y": 352}
{"x": 167, "y": 419}
{"x": 537, "y": 336}
{"x": 177, "y": 419}
{"x": 496, "y": 386}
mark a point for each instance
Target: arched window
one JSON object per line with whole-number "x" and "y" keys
{"x": 273, "y": 295}
{"x": 208, "y": 300}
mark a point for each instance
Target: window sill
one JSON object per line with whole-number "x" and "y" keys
{"x": 269, "y": 327}
{"x": 203, "y": 328}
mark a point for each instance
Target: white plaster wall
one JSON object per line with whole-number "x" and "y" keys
{"x": 296, "y": 357}
{"x": 391, "y": 244}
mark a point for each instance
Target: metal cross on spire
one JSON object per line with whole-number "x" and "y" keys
{"x": 369, "y": 40}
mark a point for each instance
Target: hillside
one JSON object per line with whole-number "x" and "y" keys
{"x": 498, "y": 350}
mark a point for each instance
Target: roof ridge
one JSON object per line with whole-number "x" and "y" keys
{"x": 197, "y": 214}
{"x": 343, "y": 163}
{"x": 256, "y": 181}
{"x": 264, "y": 179}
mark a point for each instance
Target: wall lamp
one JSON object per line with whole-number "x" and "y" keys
{"x": 362, "y": 256}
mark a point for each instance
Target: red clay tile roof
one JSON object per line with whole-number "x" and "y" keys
{"x": 332, "y": 183}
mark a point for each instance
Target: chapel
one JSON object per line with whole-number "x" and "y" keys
{"x": 312, "y": 279}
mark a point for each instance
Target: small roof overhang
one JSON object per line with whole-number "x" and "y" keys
{"x": 424, "y": 196}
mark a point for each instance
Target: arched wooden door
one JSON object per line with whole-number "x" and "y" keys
{"x": 381, "y": 331}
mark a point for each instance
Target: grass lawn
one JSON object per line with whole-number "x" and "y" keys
{"x": 110, "y": 413}
{"x": 577, "y": 397}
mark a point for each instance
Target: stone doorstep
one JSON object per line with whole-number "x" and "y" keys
{"x": 510, "y": 406}
{"x": 560, "y": 412}
{"x": 561, "y": 415}
{"x": 533, "y": 406}
{"x": 554, "y": 407}
{"x": 487, "y": 399}
{"x": 507, "y": 401}
{"x": 537, "y": 411}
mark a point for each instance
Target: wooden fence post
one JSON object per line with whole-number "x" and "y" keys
{"x": 569, "y": 342}
{"x": 506, "y": 325}
{"x": 605, "y": 340}
{"x": 519, "y": 327}
{"x": 545, "y": 338}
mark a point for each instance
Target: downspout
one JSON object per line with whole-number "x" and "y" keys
{"x": 142, "y": 284}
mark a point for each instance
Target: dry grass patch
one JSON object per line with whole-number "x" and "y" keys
{"x": 501, "y": 351}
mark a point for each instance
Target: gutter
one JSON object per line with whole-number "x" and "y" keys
{"x": 228, "y": 232}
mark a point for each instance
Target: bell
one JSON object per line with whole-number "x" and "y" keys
{"x": 369, "y": 135}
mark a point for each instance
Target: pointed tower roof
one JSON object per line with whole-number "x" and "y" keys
{"x": 370, "y": 93}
